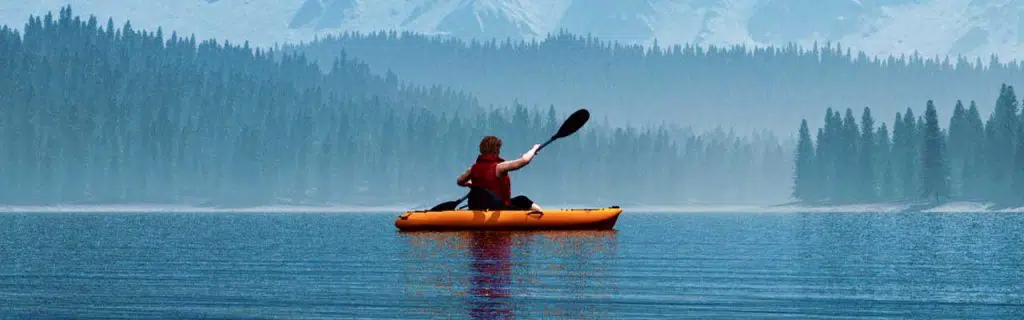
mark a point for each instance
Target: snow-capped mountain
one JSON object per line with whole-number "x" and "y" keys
{"x": 878, "y": 27}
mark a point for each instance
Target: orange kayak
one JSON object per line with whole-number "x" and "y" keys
{"x": 550, "y": 219}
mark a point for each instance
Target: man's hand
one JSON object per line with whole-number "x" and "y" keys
{"x": 531, "y": 153}
{"x": 463, "y": 179}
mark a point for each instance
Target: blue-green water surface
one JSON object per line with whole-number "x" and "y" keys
{"x": 654, "y": 265}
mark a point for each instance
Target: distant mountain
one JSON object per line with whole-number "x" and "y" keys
{"x": 939, "y": 27}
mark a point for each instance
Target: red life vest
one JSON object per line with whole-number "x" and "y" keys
{"x": 484, "y": 176}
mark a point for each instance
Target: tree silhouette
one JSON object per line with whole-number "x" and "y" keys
{"x": 934, "y": 175}
{"x": 971, "y": 161}
{"x": 93, "y": 113}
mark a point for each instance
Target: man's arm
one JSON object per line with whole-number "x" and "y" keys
{"x": 463, "y": 180}
{"x": 513, "y": 165}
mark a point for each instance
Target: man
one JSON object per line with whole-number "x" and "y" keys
{"x": 490, "y": 182}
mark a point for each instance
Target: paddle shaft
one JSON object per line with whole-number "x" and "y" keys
{"x": 545, "y": 144}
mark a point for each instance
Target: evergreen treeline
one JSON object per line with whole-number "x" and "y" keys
{"x": 741, "y": 86}
{"x": 113, "y": 115}
{"x": 918, "y": 160}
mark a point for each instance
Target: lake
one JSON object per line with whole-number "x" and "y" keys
{"x": 654, "y": 266}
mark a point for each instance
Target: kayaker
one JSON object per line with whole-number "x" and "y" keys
{"x": 488, "y": 178}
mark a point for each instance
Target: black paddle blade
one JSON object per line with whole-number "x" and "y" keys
{"x": 449, "y": 205}
{"x": 569, "y": 126}
{"x": 574, "y": 123}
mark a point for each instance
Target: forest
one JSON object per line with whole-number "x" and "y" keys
{"x": 94, "y": 113}
{"x": 969, "y": 160}
{"x": 738, "y": 86}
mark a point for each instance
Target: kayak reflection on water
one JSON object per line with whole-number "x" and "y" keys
{"x": 492, "y": 275}
{"x": 498, "y": 274}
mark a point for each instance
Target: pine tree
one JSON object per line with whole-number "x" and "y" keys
{"x": 839, "y": 183}
{"x": 849, "y": 175}
{"x": 820, "y": 166}
{"x": 972, "y": 174}
{"x": 974, "y": 151}
{"x": 1001, "y": 145}
{"x": 803, "y": 179}
{"x": 883, "y": 164}
{"x": 867, "y": 146}
{"x": 898, "y": 156}
{"x": 934, "y": 172}
{"x": 911, "y": 157}
{"x": 827, "y": 156}
{"x": 957, "y": 144}
{"x": 1017, "y": 177}
{"x": 988, "y": 170}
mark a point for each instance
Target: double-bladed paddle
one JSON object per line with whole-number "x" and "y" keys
{"x": 575, "y": 121}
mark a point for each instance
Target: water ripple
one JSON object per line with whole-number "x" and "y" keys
{"x": 655, "y": 266}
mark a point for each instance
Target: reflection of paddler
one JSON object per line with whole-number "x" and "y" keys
{"x": 492, "y": 275}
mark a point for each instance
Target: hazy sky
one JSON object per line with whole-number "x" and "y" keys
{"x": 975, "y": 28}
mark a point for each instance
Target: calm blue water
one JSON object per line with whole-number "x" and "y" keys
{"x": 672, "y": 266}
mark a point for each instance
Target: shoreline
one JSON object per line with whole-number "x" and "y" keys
{"x": 896, "y": 207}
{"x": 179, "y": 208}
{"x": 793, "y": 207}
